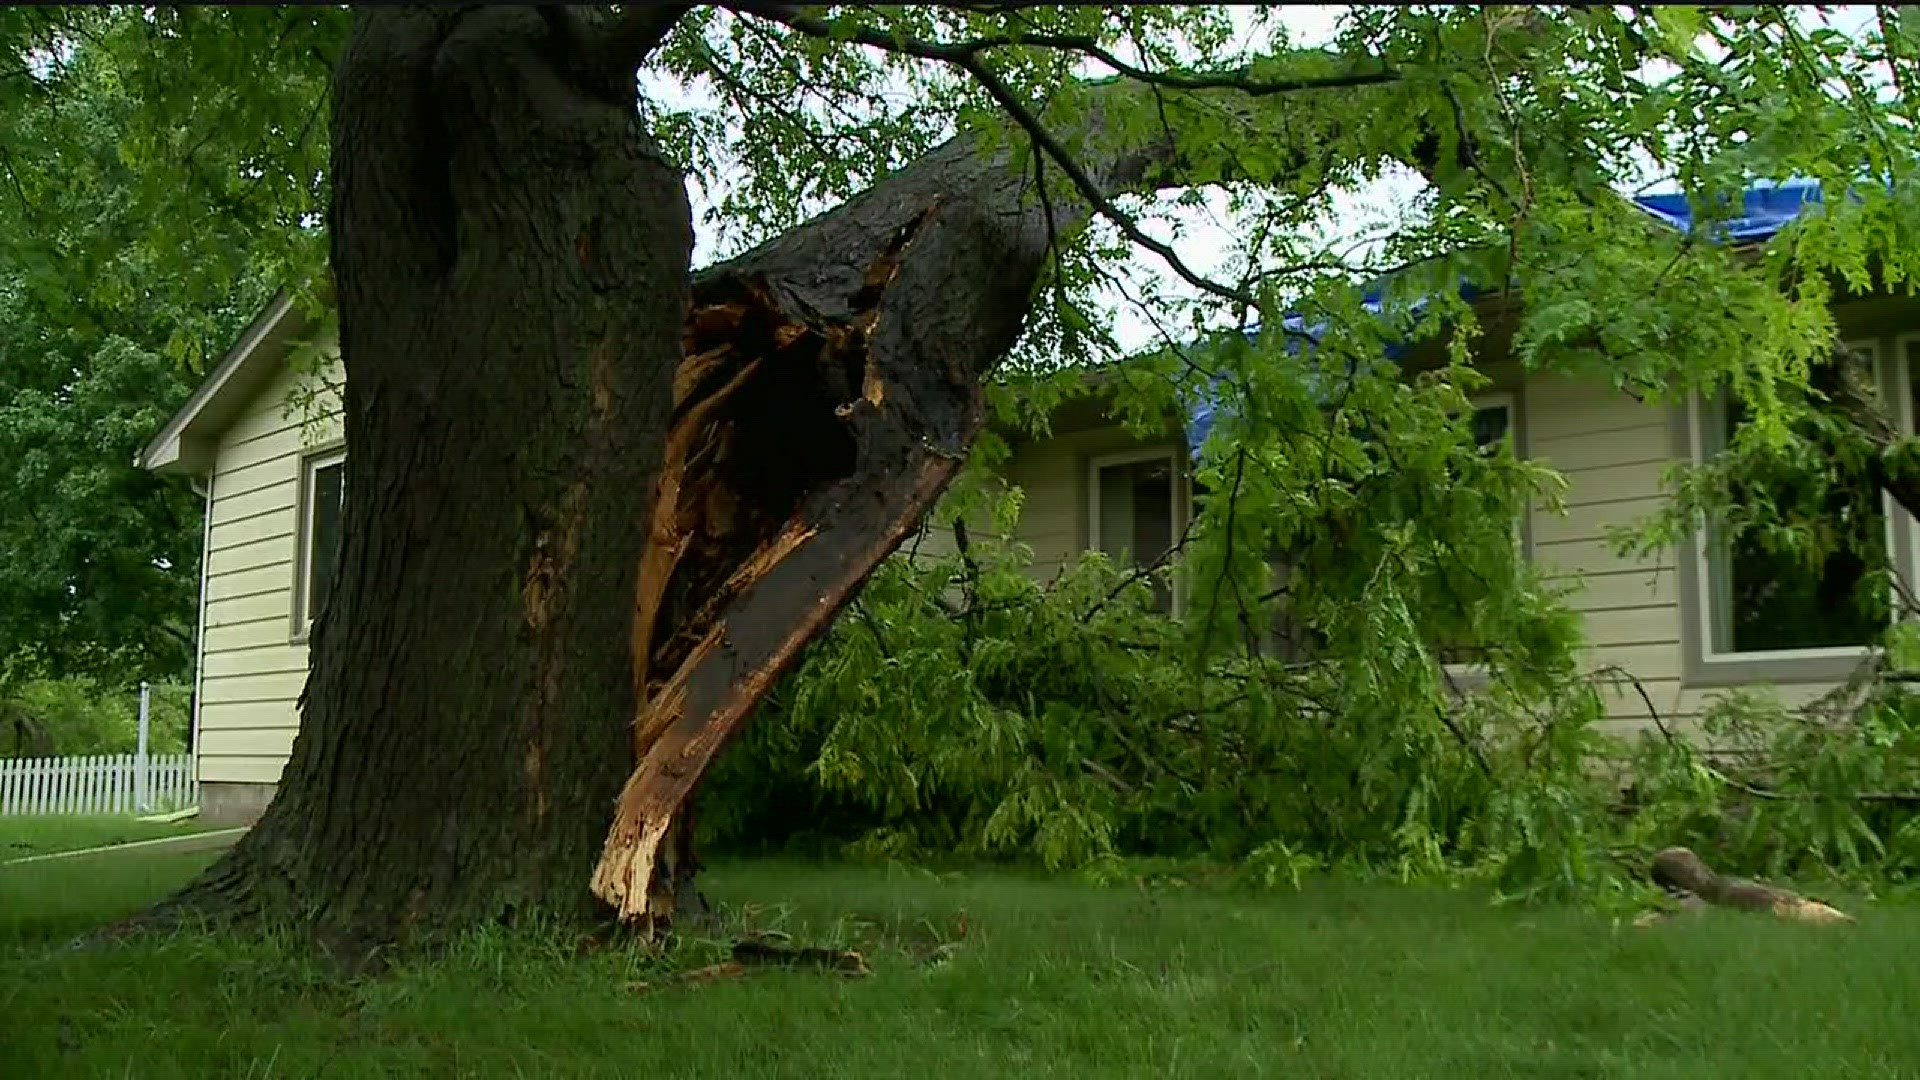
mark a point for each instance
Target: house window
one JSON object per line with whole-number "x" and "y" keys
{"x": 1758, "y": 603}
{"x": 1492, "y": 419}
{"x": 1137, "y": 512}
{"x": 322, "y": 489}
{"x": 1492, "y": 424}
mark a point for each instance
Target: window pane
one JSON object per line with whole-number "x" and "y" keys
{"x": 1490, "y": 425}
{"x": 1771, "y": 602}
{"x": 1136, "y": 516}
{"x": 329, "y": 488}
{"x": 1778, "y": 603}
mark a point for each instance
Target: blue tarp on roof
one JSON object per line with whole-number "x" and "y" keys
{"x": 1766, "y": 208}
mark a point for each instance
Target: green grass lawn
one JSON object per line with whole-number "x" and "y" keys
{"x": 42, "y": 835}
{"x": 1049, "y": 978}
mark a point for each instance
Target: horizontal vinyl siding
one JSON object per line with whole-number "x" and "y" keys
{"x": 1053, "y": 475}
{"x": 252, "y": 669}
{"x": 1614, "y": 452}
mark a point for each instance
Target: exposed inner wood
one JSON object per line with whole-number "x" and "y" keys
{"x": 785, "y": 481}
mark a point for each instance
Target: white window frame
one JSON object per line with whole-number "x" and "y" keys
{"x": 310, "y": 466}
{"x": 1711, "y": 586}
{"x": 1181, "y": 505}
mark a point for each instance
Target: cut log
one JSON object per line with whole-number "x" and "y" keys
{"x": 1684, "y": 873}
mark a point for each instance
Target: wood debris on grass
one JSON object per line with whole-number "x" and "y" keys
{"x": 1696, "y": 886}
{"x": 753, "y": 953}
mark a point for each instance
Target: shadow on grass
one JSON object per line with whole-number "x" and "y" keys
{"x": 979, "y": 974}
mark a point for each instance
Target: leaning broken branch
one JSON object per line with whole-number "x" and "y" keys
{"x": 861, "y": 338}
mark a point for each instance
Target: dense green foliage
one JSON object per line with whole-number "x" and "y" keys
{"x": 80, "y": 715}
{"x": 963, "y": 708}
{"x": 1011, "y": 721}
{"x": 138, "y": 235}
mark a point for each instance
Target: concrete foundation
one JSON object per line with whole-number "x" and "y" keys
{"x": 227, "y": 803}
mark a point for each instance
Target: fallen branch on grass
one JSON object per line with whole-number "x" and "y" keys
{"x": 749, "y": 954}
{"x": 1682, "y": 872}
{"x": 841, "y": 961}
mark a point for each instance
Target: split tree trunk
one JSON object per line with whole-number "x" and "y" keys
{"x": 831, "y": 389}
{"x": 523, "y": 614}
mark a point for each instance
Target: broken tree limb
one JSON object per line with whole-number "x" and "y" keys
{"x": 838, "y": 961}
{"x": 1681, "y": 871}
{"x": 746, "y": 955}
{"x": 831, "y": 389}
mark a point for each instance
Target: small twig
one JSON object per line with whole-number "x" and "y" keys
{"x": 866, "y": 618}
{"x": 1233, "y": 504}
{"x": 970, "y": 616}
{"x": 1472, "y": 747}
{"x": 1618, "y": 673}
{"x": 1143, "y": 571}
{"x": 1112, "y": 778}
{"x": 1091, "y": 191}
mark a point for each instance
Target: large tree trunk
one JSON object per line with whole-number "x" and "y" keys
{"x": 510, "y": 254}
{"x": 523, "y": 614}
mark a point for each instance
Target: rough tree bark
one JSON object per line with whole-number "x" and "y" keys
{"x": 510, "y": 256}
{"x": 594, "y": 508}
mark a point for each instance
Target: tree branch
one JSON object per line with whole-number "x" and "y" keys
{"x": 613, "y": 46}
{"x": 1241, "y": 79}
{"x": 1003, "y": 95}
{"x": 965, "y": 55}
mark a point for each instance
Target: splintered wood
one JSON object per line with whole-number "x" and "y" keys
{"x": 762, "y": 458}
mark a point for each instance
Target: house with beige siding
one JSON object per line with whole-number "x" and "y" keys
{"x": 266, "y": 453}
{"x": 1686, "y": 623}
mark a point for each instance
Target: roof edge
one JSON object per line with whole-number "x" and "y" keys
{"x": 169, "y": 451}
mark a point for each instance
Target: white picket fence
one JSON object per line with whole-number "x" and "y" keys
{"x": 101, "y": 784}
